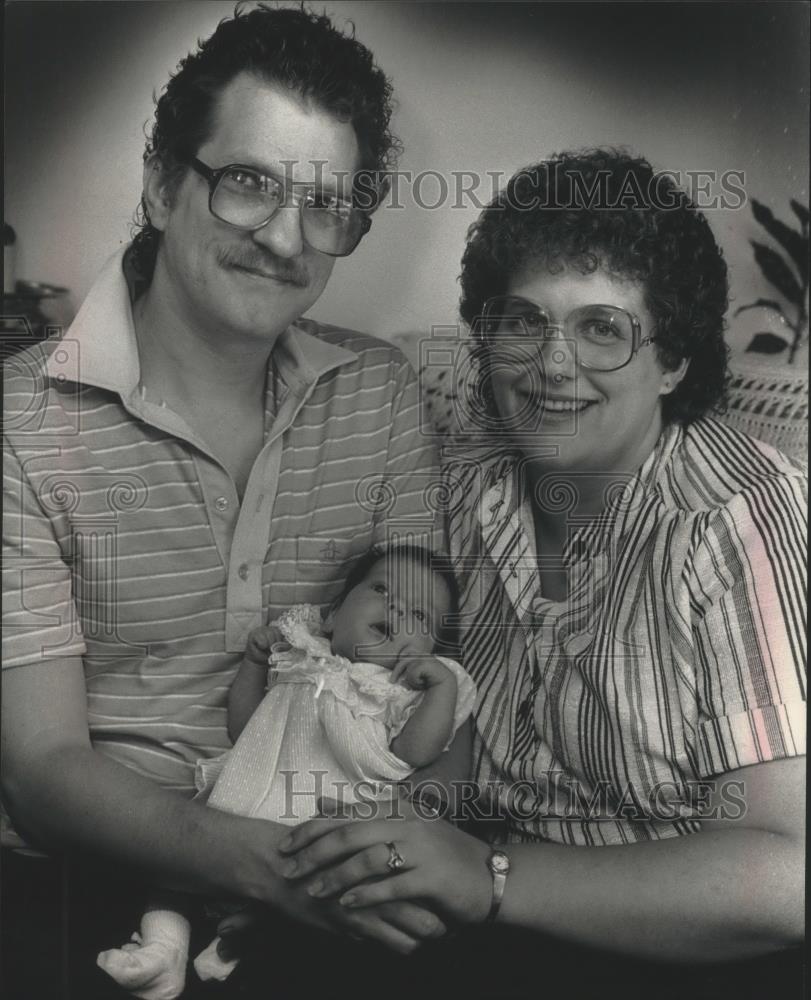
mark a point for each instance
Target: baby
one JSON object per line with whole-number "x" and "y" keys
{"x": 351, "y": 706}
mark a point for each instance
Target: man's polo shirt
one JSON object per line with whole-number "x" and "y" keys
{"x": 126, "y": 542}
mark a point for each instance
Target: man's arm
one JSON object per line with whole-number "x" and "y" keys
{"x": 64, "y": 794}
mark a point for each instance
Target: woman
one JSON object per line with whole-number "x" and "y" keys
{"x": 632, "y": 574}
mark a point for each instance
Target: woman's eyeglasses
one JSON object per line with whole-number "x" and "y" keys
{"x": 602, "y": 338}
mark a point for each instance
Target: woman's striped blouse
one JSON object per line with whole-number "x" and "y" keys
{"x": 679, "y": 655}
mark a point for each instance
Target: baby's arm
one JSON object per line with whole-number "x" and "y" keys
{"x": 250, "y": 682}
{"x": 427, "y": 732}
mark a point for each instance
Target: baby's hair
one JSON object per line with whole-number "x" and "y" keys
{"x": 445, "y": 635}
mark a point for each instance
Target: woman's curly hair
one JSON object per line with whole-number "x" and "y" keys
{"x": 299, "y": 50}
{"x": 606, "y": 209}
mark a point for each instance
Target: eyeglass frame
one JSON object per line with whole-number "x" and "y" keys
{"x": 637, "y": 342}
{"x": 213, "y": 176}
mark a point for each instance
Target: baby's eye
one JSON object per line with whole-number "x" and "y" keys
{"x": 380, "y": 588}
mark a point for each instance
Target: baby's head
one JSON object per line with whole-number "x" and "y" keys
{"x": 394, "y": 602}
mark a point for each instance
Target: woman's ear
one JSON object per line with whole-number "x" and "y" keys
{"x": 156, "y": 192}
{"x": 670, "y": 380}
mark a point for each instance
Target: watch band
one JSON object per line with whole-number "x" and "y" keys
{"x": 499, "y": 865}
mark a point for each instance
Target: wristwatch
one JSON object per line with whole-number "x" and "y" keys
{"x": 499, "y": 865}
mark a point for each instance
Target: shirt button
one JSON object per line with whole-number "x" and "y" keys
{"x": 221, "y": 503}
{"x": 243, "y": 571}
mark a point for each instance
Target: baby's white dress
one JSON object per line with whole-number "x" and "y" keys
{"x": 323, "y": 728}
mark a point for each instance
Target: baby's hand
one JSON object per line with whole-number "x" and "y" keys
{"x": 420, "y": 672}
{"x": 259, "y": 642}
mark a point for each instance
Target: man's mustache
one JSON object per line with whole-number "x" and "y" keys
{"x": 255, "y": 259}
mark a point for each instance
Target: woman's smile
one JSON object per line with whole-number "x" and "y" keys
{"x": 598, "y": 419}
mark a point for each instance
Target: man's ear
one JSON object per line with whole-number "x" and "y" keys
{"x": 156, "y": 192}
{"x": 670, "y": 380}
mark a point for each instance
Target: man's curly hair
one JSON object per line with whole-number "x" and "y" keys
{"x": 606, "y": 209}
{"x": 299, "y": 50}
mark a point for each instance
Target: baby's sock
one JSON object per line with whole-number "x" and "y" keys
{"x": 209, "y": 965}
{"x": 153, "y": 965}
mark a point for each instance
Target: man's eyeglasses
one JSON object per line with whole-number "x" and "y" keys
{"x": 248, "y": 199}
{"x": 604, "y": 338}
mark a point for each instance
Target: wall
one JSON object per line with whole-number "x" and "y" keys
{"x": 481, "y": 87}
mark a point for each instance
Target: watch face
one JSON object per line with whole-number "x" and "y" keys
{"x": 499, "y": 863}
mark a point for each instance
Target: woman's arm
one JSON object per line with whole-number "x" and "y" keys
{"x": 731, "y": 891}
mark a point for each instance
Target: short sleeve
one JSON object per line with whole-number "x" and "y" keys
{"x": 39, "y": 613}
{"x": 749, "y": 608}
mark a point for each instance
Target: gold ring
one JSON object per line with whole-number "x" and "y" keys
{"x": 396, "y": 860}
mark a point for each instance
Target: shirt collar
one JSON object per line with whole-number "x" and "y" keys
{"x": 103, "y": 352}
{"x": 100, "y": 343}
{"x": 627, "y": 501}
{"x": 303, "y": 357}
{"x": 500, "y": 501}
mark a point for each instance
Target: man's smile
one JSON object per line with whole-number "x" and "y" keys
{"x": 297, "y": 281}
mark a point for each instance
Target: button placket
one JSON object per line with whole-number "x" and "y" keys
{"x": 250, "y": 541}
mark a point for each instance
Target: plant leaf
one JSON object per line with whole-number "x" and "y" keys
{"x": 800, "y": 211}
{"x": 767, "y": 343}
{"x": 777, "y": 272}
{"x": 762, "y": 304}
{"x": 792, "y": 242}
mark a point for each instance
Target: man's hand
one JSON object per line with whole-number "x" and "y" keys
{"x": 400, "y": 925}
{"x": 420, "y": 672}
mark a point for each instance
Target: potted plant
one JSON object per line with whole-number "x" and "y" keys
{"x": 768, "y": 397}
{"x": 787, "y": 272}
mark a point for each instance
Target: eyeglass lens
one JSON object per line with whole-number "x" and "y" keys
{"x": 602, "y": 337}
{"x": 248, "y": 199}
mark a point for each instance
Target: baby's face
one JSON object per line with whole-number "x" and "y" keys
{"x": 397, "y": 608}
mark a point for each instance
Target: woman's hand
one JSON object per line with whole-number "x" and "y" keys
{"x": 399, "y": 925}
{"x": 440, "y": 864}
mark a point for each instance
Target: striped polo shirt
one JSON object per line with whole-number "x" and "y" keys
{"x": 126, "y": 542}
{"x": 678, "y": 656}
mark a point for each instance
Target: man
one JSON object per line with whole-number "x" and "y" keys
{"x": 191, "y": 460}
